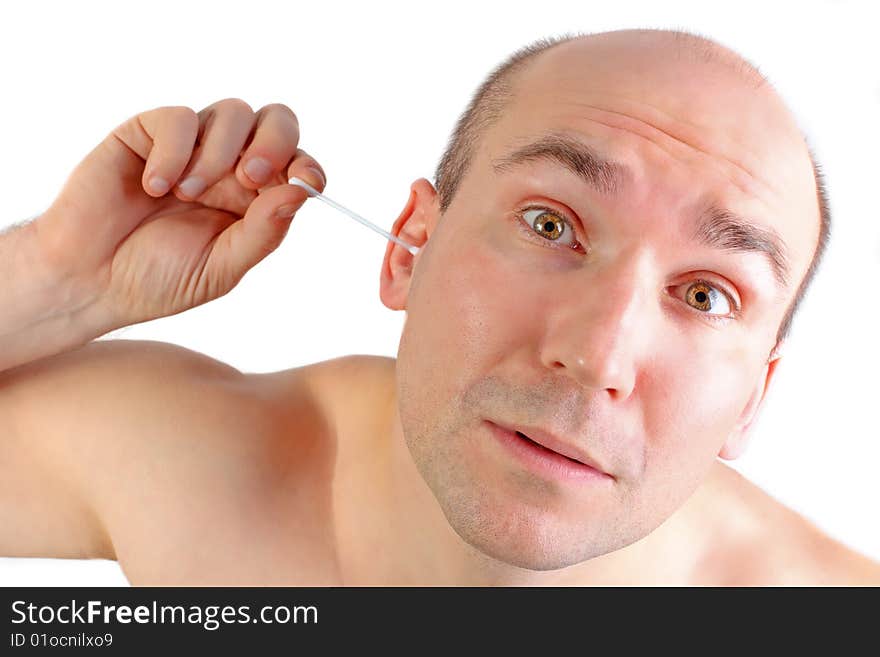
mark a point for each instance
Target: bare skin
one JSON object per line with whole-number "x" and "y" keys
{"x": 218, "y": 477}
{"x": 368, "y": 470}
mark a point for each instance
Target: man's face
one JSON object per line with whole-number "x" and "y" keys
{"x": 646, "y": 347}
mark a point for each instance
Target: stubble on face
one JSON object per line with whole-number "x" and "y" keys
{"x": 464, "y": 358}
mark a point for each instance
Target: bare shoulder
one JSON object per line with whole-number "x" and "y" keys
{"x": 105, "y": 357}
{"x": 89, "y": 431}
{"x": 353, "y": 387}
{"x": 223, "y": 476}
{"x": 190, "y": 470}
{"x": 351, "y": 369}
{"x": 769, "y": 543}
{"x": 71, "y": 403}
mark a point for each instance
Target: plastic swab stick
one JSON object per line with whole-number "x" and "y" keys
{"x": 369, "y": 224}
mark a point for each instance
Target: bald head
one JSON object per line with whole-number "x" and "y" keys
{"x": 620, "y": 220}
{"x": 718, "y": 98}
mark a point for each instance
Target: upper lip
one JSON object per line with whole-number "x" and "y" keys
{"x": 555, "y": 443}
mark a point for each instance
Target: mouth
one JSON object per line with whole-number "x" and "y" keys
{"x": 545, "y": 454}
{"x": 540, "y": 446}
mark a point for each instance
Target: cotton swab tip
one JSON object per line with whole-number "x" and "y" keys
{"x": 302, "y": 183}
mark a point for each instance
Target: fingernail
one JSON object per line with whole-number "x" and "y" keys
{"x": 192, "y": 187}
{"x": 159, "y": 185}
{"x": 319, "y": 180}
{"x": 285, "y": 212}
{"x": 258, "y": 169}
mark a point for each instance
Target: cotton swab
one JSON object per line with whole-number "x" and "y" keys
{"x": 369, "y": 224}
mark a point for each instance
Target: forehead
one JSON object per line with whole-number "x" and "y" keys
{"x": 687, "y": 134}
{"x": 713, "y": 225}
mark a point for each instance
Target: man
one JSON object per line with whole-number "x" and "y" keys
{"x": 622, "y": 227}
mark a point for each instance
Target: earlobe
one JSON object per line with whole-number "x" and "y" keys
{"x": 737, "y": 441}
{"x": 414, "y": 225}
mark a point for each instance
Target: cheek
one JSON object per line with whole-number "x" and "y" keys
{"x": 468, "y": 305}
{"x": 689, "y": 406}
{"x": 692, "y": 401}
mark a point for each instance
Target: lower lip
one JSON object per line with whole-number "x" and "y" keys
{"x": 544, "y": 461}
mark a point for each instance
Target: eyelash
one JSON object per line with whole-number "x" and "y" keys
{"x": 735, "y": 309}
{"x": 534, "y": 237}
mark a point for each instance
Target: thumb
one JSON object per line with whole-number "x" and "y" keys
{"x": 262, "y": 229}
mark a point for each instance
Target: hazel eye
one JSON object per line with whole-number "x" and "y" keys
{"x": 550, "y": 226}
{"x": 708, "y": 299}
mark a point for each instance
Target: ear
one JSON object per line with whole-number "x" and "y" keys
{"x": 414, "y": 225}
{"x": 737, "y": 441}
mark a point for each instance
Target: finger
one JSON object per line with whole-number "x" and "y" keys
{"x": 224, "y": 127}
{"x": 275, "y": 137}
{"x": 172, "y": 132}
{"x": 262, "y": 229}
{"x": 306, "y": 167}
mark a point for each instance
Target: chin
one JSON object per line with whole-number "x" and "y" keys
{"x": 528, "y": 537}
{"x": 527, "y": 557}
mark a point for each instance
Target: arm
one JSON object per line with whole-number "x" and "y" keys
{"x": 41, "y": 314}
{"x": 95, "y": 445}
{"x": 112, "y": 251}
{"x": 97, "y": 439}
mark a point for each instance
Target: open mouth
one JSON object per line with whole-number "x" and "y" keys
{"x": 543, "y": 461}
{"x": 547, "y": 449}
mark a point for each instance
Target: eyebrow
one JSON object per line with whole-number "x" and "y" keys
{"x": 606, "y": 176}
{"x": 716, "y": 227}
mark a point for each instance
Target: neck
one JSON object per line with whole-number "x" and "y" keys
{"x": 423, "y": 549}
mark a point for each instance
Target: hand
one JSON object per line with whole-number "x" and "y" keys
{"x": 144, "y": 252}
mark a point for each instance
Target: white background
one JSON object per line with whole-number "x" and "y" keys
{"x": 377, "y": 88}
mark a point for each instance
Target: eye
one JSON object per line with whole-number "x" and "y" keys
{"x": 708, "y": 299}
{"x": 548, "y": 226}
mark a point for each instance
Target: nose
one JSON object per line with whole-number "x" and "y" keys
{"x": 597, "y": 333}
